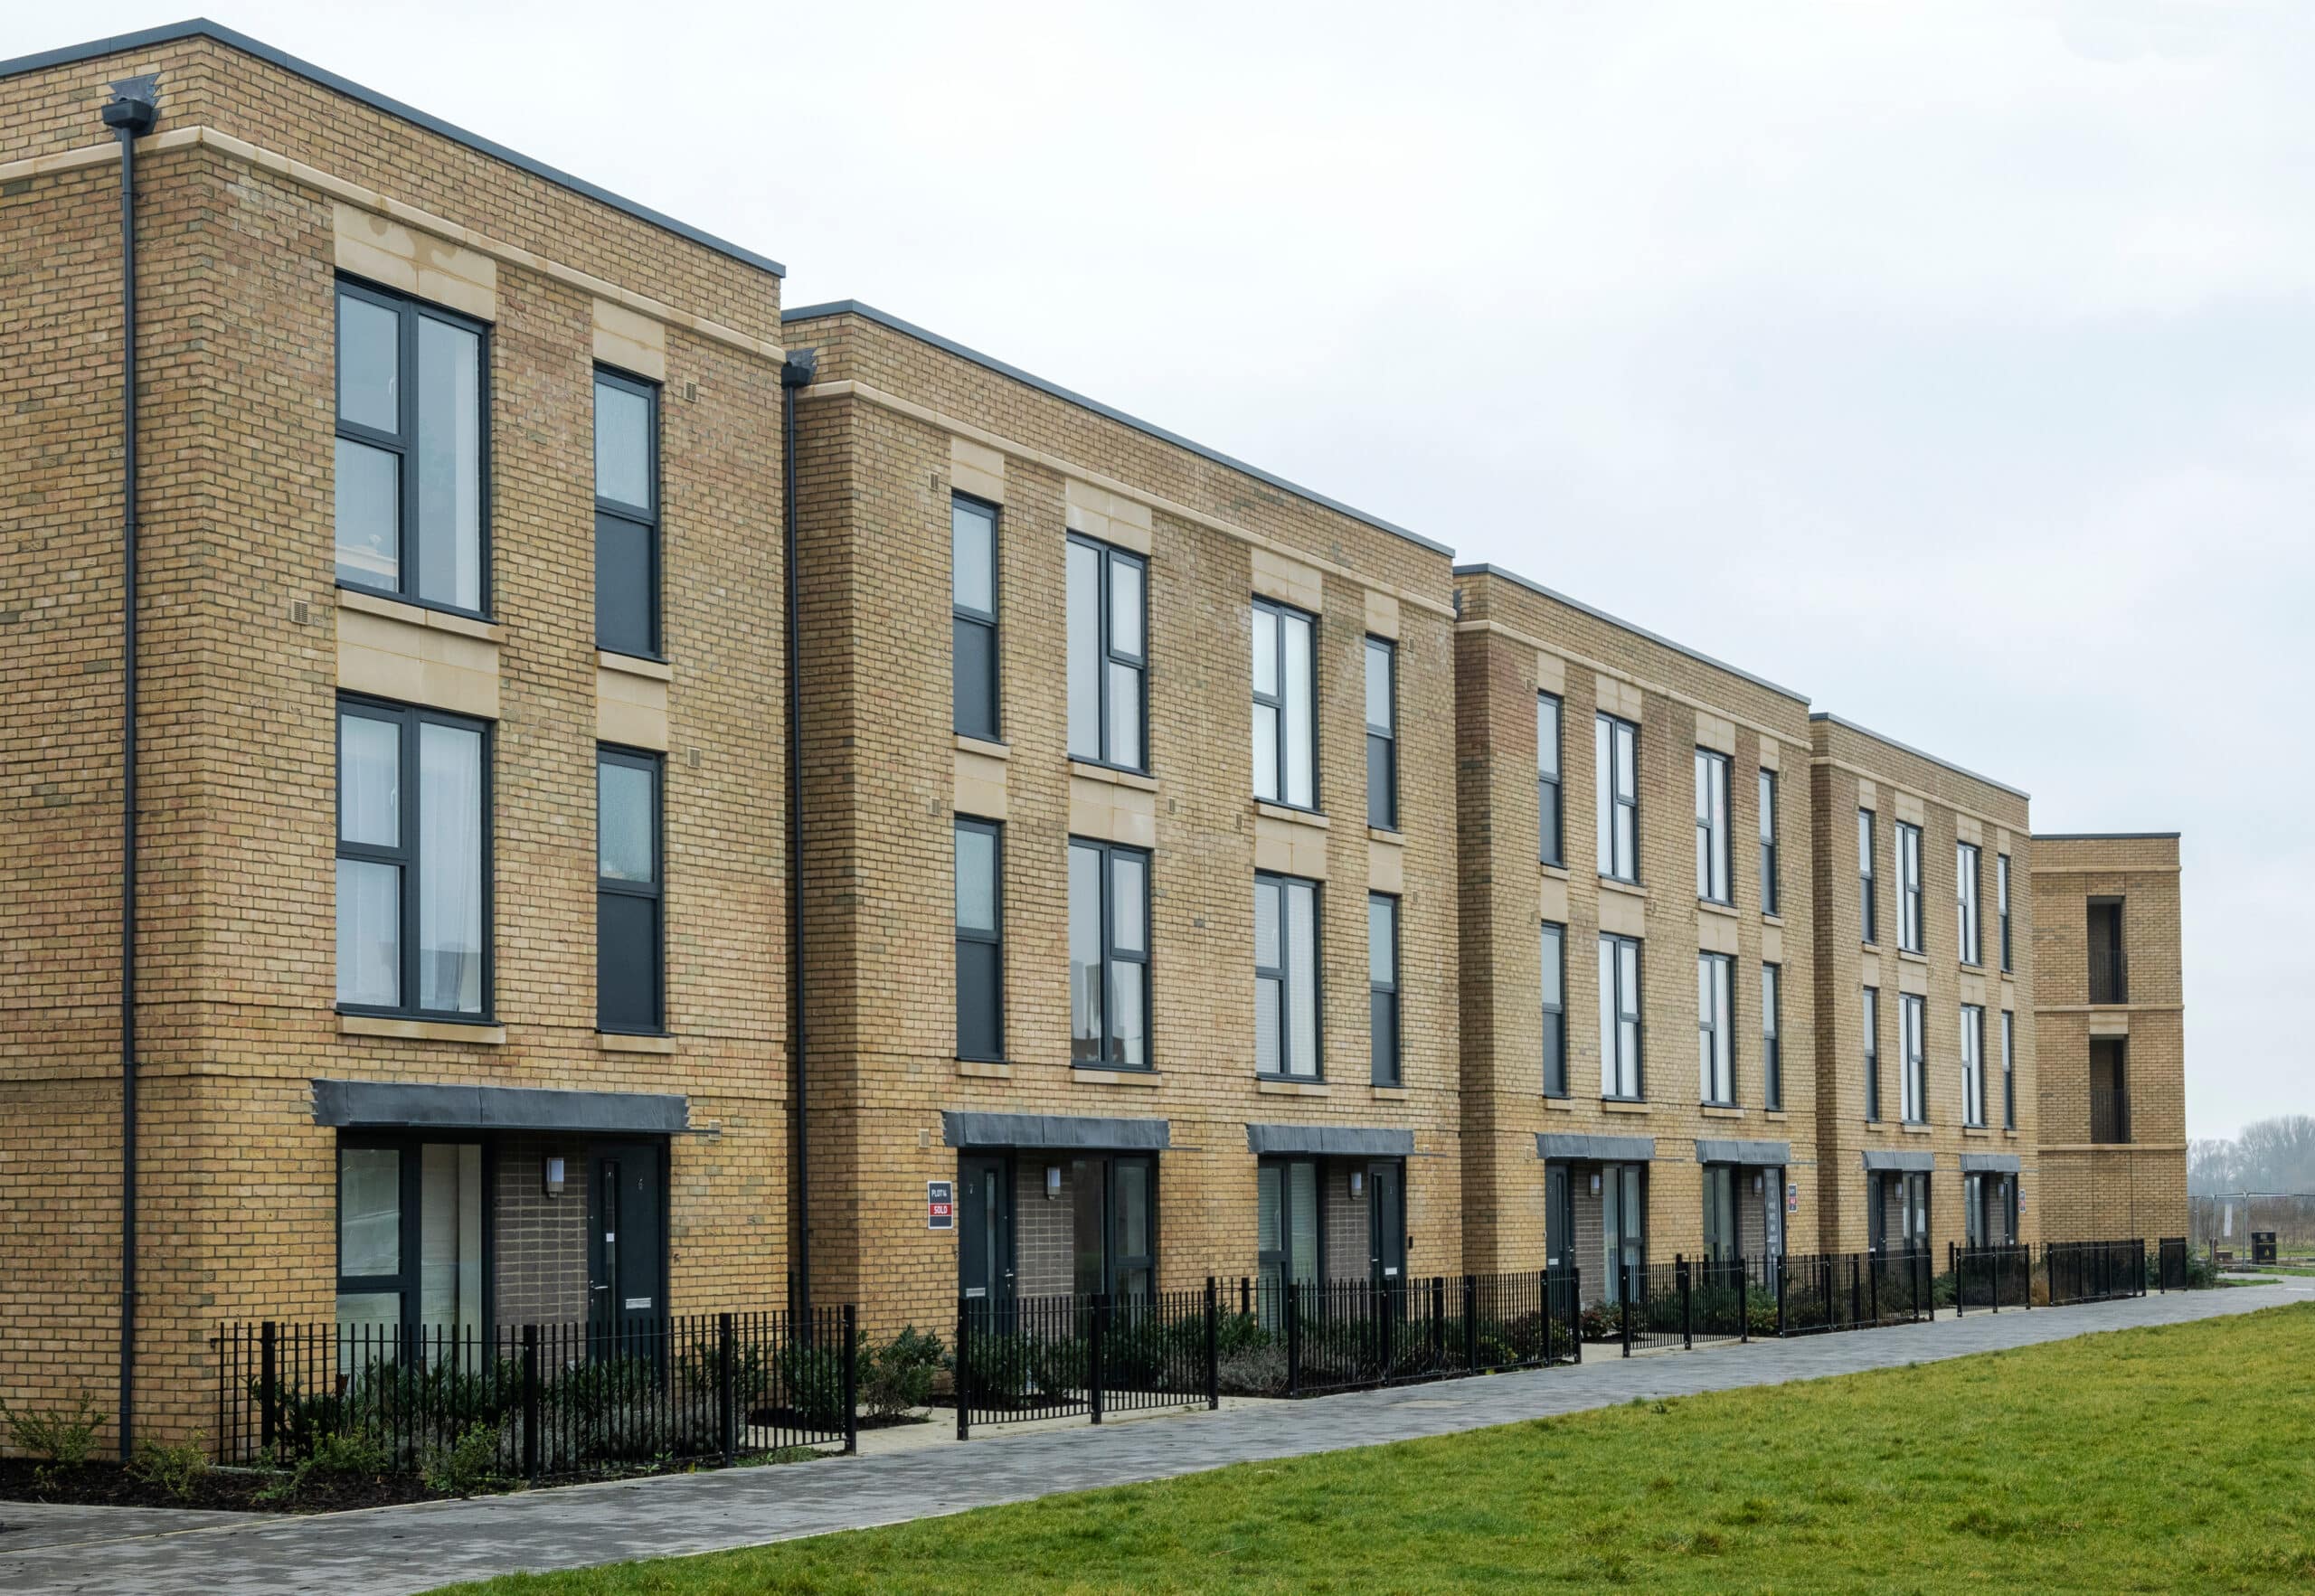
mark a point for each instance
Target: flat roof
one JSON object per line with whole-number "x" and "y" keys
{"x": 1917, "y": 753}
{"x": 2106, "y": 836}
{"x": 201, "y": 27}
{"x": 1559, "y": 598}
{"x": 925, "y": 336}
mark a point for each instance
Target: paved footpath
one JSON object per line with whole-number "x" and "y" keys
{"x": 391, "y": 1551}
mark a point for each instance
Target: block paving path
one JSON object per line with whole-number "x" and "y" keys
{"x": 393, "y": 1550}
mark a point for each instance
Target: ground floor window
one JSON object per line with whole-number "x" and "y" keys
{"x": 410, "y": 1238}
{"x": 1623, "y": 1222}
{"x": 1056, "y": 1224}
{"x": 1287, "y": 1223}
{"x": 1990, "y": 1209}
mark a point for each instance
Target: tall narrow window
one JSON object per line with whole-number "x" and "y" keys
{"x": 1616, "y": 784}
{"x": 1965, "y": 889}
{"x": 1383, "y": 985}
{"x": 412, "y": 862}
{"x": 1909, "y": 901}
{"x": 980, "y": 939}
{"x": 627, "y": 515}
{"x": 1109, "y": 661}
{"x": 409, "y": 1221}
{"x": 1973, "y": 1064}
{"x": 1555, "y": 989}
{"x": 1712, "y": 826}
{"x": 2001, "y": 906}
{"x": 2009, "y": 1071}
{"x": 1865, "y": 876}
{"x": 1286, "y": 720}
{"x": 972, "y": 578}
{"x": 1769, "y": 899}
{"x": 1550, "y": 826}
{"x": 1911, "y": 1022}
{"x": 1381, "y": 735}
{"x": 1108, "y": 955}
{"x": 1286, "y": 976}
{"x": 1619, "y": 1025}
{"x": 1716, "y": 1034}
{"x": 1288, "y": 1227}
{"x": 412, "y": 443}
{"x": 630, "y": 932}
{"x": 1872, "y": 1055}
{"x": 1771, "y": 1047}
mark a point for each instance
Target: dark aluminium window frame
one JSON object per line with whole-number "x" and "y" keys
{"x": 993, "y": 937}
{"x": 644, "y": 519}
{"x": 1913, "y": 1056}
{"x": 403, "y": 443}
{"x": 410, "y": 1178}
{"x": 988, "y": 621}
{"x": 1550, "y": 817}
{"x": 406, "y": 855}
{"x": 1771, "y": 1037}
{"x": 2010, "y": 1069}
{"x": 1107, "y": 854}
{"x": 1610, "y": 1044}
{"x": 1716, "y": 870}
{"x": 1868, "y": 877}
{"x": 1912, "y": 909}
{"x": 1611, "y": 805}
{"x": 1381, "y": 740}
{"x": 1108, "y": 657}
{"x": 1553, "y": 940}
{"x": 1770, "y": 894}
{"x": 1872, "y": 1016}
{"x": 1383, "y": 1018}
{"x": 2001, "y": 895}
{"x": 1716, "y": 1030}
{"x": 1277, "y": 614}
{"x": 1282, "y": 973}
{"x": 654, "y": 892}
{"x": 1969, "y": 897}
{"x": 1973, "y": 1065}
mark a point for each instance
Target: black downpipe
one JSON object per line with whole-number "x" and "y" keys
{"x": 130, "y": 114}
{"x": 795, "y": 373}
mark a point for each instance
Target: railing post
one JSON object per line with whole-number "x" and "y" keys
{"x": 1780, "y": 1296}
{"x": 851, "y": 1376}
{"x": 1094, "y": 1374}
{"x": 964, "y": 1368}
{"x": 1961, "y": 1287}
{"x": 1213, "y": 1345}
{"x": 530, "y": 1402}
{"x": 727, "y": 1388}
{"x": 269, "y": 1376}
{"x": 1290, "y": 1293}
{"x": 1471, "y": 1324}
{"x": 1574, "y": 1309}
{"x": 1438, "y": 1324}
{"x": 1744, "y": 1301}
{"x": 1623, "y": 1275}
{"x": 1687, "y": 1327}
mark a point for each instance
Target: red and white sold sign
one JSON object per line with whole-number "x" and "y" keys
{"x": 940, "y": 1206}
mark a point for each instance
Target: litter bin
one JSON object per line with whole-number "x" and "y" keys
{"x": 2262, "y": 1246}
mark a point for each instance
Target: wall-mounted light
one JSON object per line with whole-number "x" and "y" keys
{"x": 554, "y": 1177}
{"x": 1052, "y": 1182}
{"x": 1358, "y": 1183}
{"x": 1756, "y": 1183}
{"x": 1595, "y": 1182}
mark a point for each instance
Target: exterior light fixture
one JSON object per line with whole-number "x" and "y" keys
{"x": 554, "y": 1177}
{"x": 1052, "y": 1182}
{"x": 1358, "y": 1183}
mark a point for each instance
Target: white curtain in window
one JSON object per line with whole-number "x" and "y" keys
{"x": 449, "y": 866}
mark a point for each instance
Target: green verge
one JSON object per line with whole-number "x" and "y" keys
{"x": 2172, "y": 1459}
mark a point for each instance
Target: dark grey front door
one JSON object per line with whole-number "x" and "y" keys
{"x": 1386, "y": 1221}
{"x": 627, "y": 1235}
{"x": 985, "y": 1227}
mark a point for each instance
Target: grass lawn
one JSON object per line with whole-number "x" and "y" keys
{"x": 2177, "y": 1459}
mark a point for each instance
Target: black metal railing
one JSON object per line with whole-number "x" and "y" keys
{"x": 1687, "y": 1301}
{"x": 1819, "y": 1292}
{"x": 545, "y": 1400}
{"x": 2093, "y": 1271}
{"x": 2110, "y": 976}
{"x": 2172, "y": 1271}
{"x": 1056, "y": 1357}
{"x": 2110, "y": 1114}
{"x": 1990, "y": 1277}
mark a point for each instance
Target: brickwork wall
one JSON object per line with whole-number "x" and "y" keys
{"x": 541, "y": 1241}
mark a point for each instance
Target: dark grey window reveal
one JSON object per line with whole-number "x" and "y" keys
{"x": 630, "y": 926}
{"x": 1554, "y": 990}
{"x": 1616, "y": 783}
{"x": 627, "y": 515}
{"x": 2009, "y": 1071}
{"x": 1715, "y": 1030}
{"x": 1965, "y": 888}
{"x": 972, "y": 578}
{"x": 1382, "y": 735}
{"x": 414, "y": 861}
{"x": 1771, "y": 1044}
{"x": 2001, "y": 905}
{"x": 413, "y": 441}
{"x": 1109, "y": 654}
{"x": 1973, "y": 1064}
{"x": 1912, "y": 1021}
{"x": 1909, "y": 898}
{"x": 1712, "y": 826}
{"x": 1865, "y": 874}
{"x": 1620, "y": 1023}
{"x": 1383, "y": 985}
{"x": 1769, "y": 898}
{"x": 1286, "y": 720}
{"x": 1108, "y": 955}
{"x": 980, "y": 939}
{"x": 1286, "y": 976}
{"x": 1551, "y": 825}
{"x": 1872, "y": 1055}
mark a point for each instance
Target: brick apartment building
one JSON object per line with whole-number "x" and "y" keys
{"x": 2110, "y": 1026}
{"x": 1175, "y": 889}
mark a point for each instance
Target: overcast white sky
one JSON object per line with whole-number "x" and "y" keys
{"x": 1996, "y": 320}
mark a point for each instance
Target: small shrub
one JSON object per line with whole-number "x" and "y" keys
{"x": 175, "y": 1470}
{"x": 811, "y": 1380}
{"x": 467, "y": 1465}
{"x": 898, "y": 1375}
{"x": 58, "y": 1435}
{"x": 336, "y": 1456}
{"x": 1257, "y": 1368}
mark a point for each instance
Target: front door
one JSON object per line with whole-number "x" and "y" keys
{"x": 1559, "y": 1218}
{"x": 625, "y": 1237}
{"x": 985, "y": 1227}
{"x": 1386, "y": 1221}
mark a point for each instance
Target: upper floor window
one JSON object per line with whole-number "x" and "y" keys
{"x": 1109, "y": 659}
{"x": 1616, "y": 783}
{"x": 1286, "y": 975}
{"x": 1872, "y": 1055}
{"x": 1619, "y": 1023}
{"x": 627, "y": 515}
{"x": 1909, "y": 902}
{"x": 412, "y": 435}
{"x": 1383, "y": 985}
{"x": 1973, "y": 1064}
{"x": 1554, "y": 992}
{"x": 2001, "y": 906}
{"x": 2009, "y": 1070}
{"x": 1108, "y": 955}
{"x": 2109, "y": 969}
{"x": 1715, "y": 1030}
{"x": 1864, "y": 867}
{"x": 1771, "y": 1047}
{"x": 630, "y": 933}
{"x": 1286, "y": 719}
{"x": 1768, "y": 843}
{"x": 1712, "y": 826}
{"x": 980, "y": 939}
{"x": 972, "y": 578}
{"x": 1550, "y": 826}
{"x": 1382, "y": 735}
{"x": 1912, "y": 1020}
{"x": 1965, "y": 888}
{"x": 412, "y": 861}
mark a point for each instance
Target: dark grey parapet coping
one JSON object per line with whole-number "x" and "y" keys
{"x": 405, "y": 1105}
{"x": 925, "y": 336}
{"x": 1883, "y": 1159}
{"x": 1331, "y": 1141}
{"x": 1596, "y": 1149}
{"x": 1989, "y": 1164}
{"x": 2105, "y": 836}
{"x": 963, "y": 1128}
{"x": 201, "y": 27}
{"x": 1556, "y": 597}
{"x": 1744, "y": 1152}
{"x": 2017, "y": 792}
